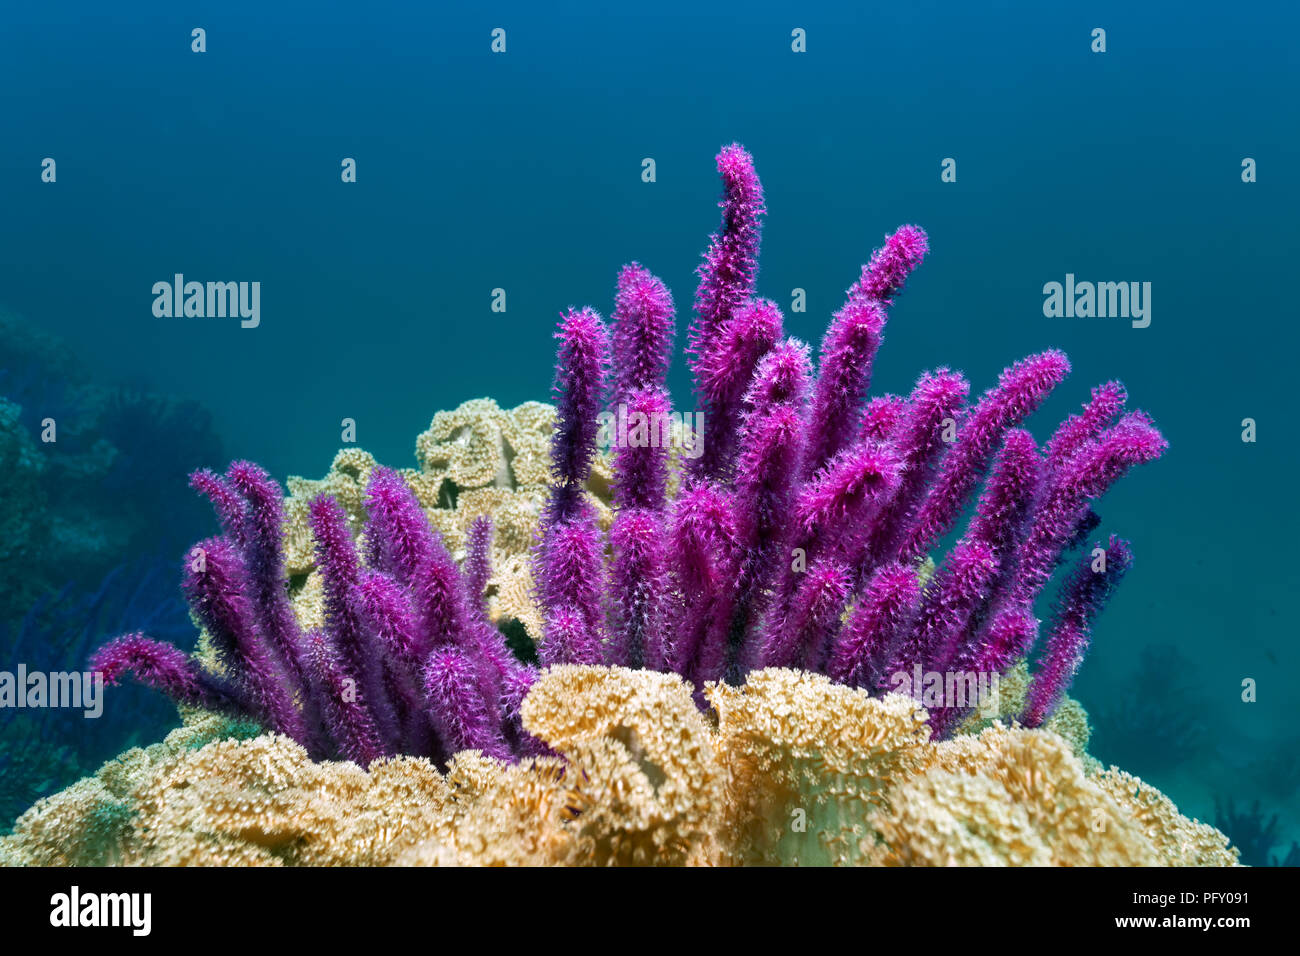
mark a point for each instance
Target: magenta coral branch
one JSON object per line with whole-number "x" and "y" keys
{"x": 919, "y": 437}
{"x": 216, "y": 583}
{"x": 727, "y": 278}
{"x": 640, "y": 588}
{"x": 958, "y": 589}
{"x": 864, "y": 646}
{"x": 579, "y": 385}
{"x": 398, "y": 537}
{"x": 352, "y": 650}
{"x": 226, "y": 502}
{"x": 478, "y": 563}
{"x": 803, "y": 636}
{"x": 1089, "y": 473}
{"x": 881, "y": 416}
{"x": 1019, "y": 391}
{"x": 263, "y": 551}
{"x": 851, "y": 343}
{"x": 846, "y": 356}
{"x": 642, "y": 440}
{"x": 891, "y": 264}
{"x": 1084, "y": 595}
{"x": 160, "y": 666}
{"x": 570, "y": 577}
{"x": 704, "y": 556}
{"x": 1008, "y": 498}
{"x": 642, "y": 334}
{"x": 457, "y": 705}
{"x": 1077, "y": 430}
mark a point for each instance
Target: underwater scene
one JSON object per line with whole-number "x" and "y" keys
{"x": 672, "y": 434}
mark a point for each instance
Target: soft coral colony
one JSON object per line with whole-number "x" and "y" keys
{"x": 797, "y": 543}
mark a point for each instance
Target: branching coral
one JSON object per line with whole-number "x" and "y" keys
{"x": 798, "y": 537}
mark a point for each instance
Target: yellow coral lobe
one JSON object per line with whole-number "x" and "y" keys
{"x": 646, "y": 780}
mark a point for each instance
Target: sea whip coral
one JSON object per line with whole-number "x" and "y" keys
{"x": 800, "y": 537}
{"x": 406, "y": 663}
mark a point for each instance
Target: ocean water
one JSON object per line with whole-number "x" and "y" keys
{"x": 522, "y": 171}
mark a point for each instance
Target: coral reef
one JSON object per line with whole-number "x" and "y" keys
{"x": 797, "y": 770}
{"x": 720, "y": 631}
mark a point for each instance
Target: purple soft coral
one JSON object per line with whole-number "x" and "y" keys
{"x": 727, "y": 278}
{"x": 1085, "y": 593}
{"x": 800, "y": 537}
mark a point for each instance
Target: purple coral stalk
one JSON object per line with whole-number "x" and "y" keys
{"x": 1008, "y": 639}
{"x": 1077, "y": 430}
{"x": 1090, "y": 472}
{"x": 725, "y": 373}
{"x": 160, "y": 666}
{"x": 478, "y": 562}
{"x": 846, "y": 356}
{"x": 398, "y": 538}
{"x": 804, "y": 635}
{"x": 851, "y": 343}
{"x": 641, "y": 588}
{"x": 766, "y": 479}
{"x": 1007, "y": 500}
{"x": 570, "y": 575}
{"x": 834, "y": 511}
{"x": 1019, "y": 391}
{"x": 264, "y": 557}
{"x": 958, "y": 589}
{"x": 351, "y": 652}
{"x": 217, "y": 585}
{"x": 1085, "y": 593}
{"x": 727, "y": 278}
{"x": 766, "y": 483}
{"x": 569, "y": 561}
{"x": 642, "y": 332}
{"x": 639, "y": 580}
{"x": 226, "y": 502}
{"x": 891, "y": 264}
{"x": 643, "y": 436}
{"x": 579, "y": 384}
{"x": 349, "y": 721}
{"x": 881, "y": 417}
{"x": 704, "y": 556}
{"x": 919, "y": 438}
{"x": 457, "y": 705}
{"x": 867, "y": 641}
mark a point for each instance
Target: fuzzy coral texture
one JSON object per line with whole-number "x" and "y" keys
{"x": 787, "y": 769}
